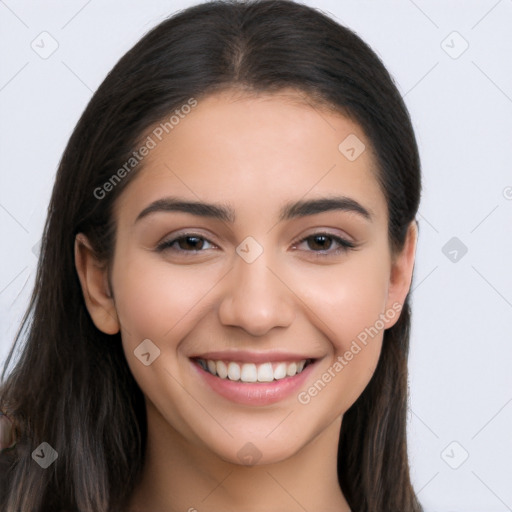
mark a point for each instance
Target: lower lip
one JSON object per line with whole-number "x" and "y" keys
{"x": 255, "y": 393}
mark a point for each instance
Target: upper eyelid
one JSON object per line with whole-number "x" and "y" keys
{"x": 185, "y": 234}
{"x": 168, "y": 241}
{"x": 325, "y": 231}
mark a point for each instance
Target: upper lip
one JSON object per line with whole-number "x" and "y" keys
{"x": 252, "y": 357}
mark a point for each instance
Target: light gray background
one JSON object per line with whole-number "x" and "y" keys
{"x": 461, "y": 105}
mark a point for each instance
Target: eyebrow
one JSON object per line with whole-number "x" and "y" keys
{"x": 225, "y": 213}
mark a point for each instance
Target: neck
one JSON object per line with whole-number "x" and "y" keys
{"x": 178, "y": 475}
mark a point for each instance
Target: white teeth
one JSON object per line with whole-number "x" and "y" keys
{"x": 291, "y": 370}
{"x": 212, "y": 366}
{"x": 265, "y": 373}
{"x": 233, "y": 371}
{"x": 222, "y": 369}
{"x": 280, "y": 371}
{"x": 250, "y": 372}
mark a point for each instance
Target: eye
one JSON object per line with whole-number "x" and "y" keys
{"x": 321, "y": 243}
{"x": 187, "y": 242}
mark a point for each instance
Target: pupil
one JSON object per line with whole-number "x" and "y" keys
{"x": 321, "y": 244}
{"x": 195, "y": 245}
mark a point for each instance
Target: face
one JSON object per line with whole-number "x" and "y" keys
{"x": 286, "y": 281}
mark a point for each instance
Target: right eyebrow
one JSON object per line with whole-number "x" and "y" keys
{"x": 173, "y": 204}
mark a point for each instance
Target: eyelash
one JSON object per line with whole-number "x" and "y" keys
{"x": 345, "y": 245}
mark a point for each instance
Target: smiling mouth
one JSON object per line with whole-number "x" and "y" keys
{"x": 250, "y": 372}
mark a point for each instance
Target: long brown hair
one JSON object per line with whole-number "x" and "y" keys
{"x": 71, "y": 385}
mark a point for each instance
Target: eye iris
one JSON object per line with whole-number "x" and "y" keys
{"x": 322, "y": 243}
{"x": 197, "y": 243}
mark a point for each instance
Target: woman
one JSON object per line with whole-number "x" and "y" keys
{"x": 220, "y": 318}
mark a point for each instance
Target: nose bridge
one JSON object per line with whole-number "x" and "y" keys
{"x": 256, "y": 299}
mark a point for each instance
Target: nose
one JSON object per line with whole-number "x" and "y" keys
{"x": 257, "y": 298}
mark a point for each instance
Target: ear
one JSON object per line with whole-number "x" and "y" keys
{"x": 95, "y": 287}
{"x": 401, "y": 272}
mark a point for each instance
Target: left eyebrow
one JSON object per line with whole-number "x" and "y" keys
{"x": 324, "y": 204}
{"x": 226, "y": 213}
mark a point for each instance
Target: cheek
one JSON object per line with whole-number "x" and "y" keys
{"x": 160, "y": 302}
{"x": 346, "y": 303}
{"x": 156, "y": 300}
{"x": 345, "y": 298}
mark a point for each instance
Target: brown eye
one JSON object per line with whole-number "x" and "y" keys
{"x": 193, "y": 243}
{"x": 185, "y": 243}
{"x": 321, "y": 244}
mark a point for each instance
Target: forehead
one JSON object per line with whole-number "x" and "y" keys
{"x": 254, "y": 152}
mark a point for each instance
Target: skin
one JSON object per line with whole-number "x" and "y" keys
{"x": 254, "y": 153}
